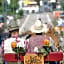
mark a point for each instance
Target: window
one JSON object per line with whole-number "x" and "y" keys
{"x": 45, "y": 3}
{"x": 33, "y": 11}
{"x": 27, "y": 11}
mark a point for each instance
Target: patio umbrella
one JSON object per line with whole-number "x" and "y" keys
{"x": 62, "y": 25}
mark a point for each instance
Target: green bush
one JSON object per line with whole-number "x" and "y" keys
{"x": 62, "y": 4}
{"x": 56, "y": 9}
{"x": 20, "y": 12}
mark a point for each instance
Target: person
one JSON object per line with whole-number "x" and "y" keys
{"x": 4, "y": 36}
{"x": 38, "y": 35}
{"x": 1, "y": 33}
{"x": 14, "y": 32}
{"x": 1, "y": 28}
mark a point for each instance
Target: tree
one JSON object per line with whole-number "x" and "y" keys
{"x": 38, "y": 2}
{"x": 10, "y": 9}
{"x": 1, "y": 7}
{"x": 14, "y": 4}
{"x": 20, "y": 12}
{"x": 62, "y": 4}
{"x": 13, "y": 7}
{"x": 0, "y": 2}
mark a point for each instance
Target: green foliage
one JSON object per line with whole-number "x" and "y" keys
{"x": 62, "y": 4}
{"x": 63, "y": 62}
{"x": 0, "y": 2}
{"x": 1, "y": 8}
{"x": 14, "y": 4}
{"x": 45, "y": 50}
{"x": 12, "y": 7}
{"x": 9, "y": 12}
{"x": 38, "y": 2}
{"x": 56, "y": 9}
{"x": 20, "y": 12}
{"x": 19, "y": 50}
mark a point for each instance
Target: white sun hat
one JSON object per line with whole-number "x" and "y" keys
{"x": 37, "y": 27}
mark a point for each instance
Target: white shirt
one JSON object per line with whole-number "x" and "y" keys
{"x": 7, "y": 44}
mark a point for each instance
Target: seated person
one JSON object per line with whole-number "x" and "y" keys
{"x": 14, "y": 37}
{"x": 38, "y": 36}
{"x": 35, "y": 40}
{"x": 13, "y": 41}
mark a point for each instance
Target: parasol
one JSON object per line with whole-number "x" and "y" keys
{"x": 61, "y": 25}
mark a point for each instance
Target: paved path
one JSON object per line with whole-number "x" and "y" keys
{"x": 22, "y": 27}
{"x": 31, "y": 18}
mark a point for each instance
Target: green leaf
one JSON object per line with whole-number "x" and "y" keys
{"x": 44, "y": 52}
{"x": 19, "y": 50}
{"x": 38, "y": 2}
{"x": 62, "y": 4}
{"x": 20, "y": 12}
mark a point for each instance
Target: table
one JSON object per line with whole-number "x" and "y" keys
{"x": 52, "y": 56}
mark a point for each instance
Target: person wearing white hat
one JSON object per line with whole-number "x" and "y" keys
{"x": 38, "y": 27}
{"x": 35, "y": 41}
{"x": 38, "y": 33}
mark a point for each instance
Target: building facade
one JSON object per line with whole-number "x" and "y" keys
{"x": 30, "y": 6}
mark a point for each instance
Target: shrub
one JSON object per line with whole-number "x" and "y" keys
{"x": 20, "y": 12}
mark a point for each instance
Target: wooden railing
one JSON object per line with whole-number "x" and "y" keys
{"x": 51, "y": 34}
